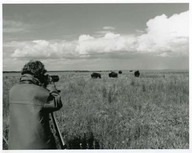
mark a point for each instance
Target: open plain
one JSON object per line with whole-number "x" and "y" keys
{"x": 151, "y": 111}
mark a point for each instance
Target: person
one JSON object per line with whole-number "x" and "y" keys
{"x": 30, "y": 103}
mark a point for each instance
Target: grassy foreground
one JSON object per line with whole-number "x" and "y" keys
{"x": 151, "y": 111}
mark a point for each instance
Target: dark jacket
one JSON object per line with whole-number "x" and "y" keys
{"x": 29, "y": 108}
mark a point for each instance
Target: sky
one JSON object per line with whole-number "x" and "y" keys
{"x": 144, "y": 36}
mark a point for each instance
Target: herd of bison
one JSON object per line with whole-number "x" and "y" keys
{"x": 114, "y": 74}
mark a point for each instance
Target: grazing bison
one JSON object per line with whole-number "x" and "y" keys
{"x": 120, "y": 72}
{"x": 137, "y": 73}
{"x": 96, "y": 75}
{"x": 113, "y": 75}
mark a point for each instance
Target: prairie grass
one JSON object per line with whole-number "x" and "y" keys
{"x": 149, "y": 112}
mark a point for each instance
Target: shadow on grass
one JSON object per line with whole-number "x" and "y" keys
{"x": 87, "y": 142}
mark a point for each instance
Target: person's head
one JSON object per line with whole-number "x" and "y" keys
{"x": 35, "y": 68}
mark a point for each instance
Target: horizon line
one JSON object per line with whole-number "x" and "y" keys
{"x": 4, "y": 71}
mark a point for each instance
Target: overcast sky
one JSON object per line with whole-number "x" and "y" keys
{"x": 96, "y": 36}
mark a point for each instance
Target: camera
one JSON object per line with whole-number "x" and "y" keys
{"x": 49, "y": 79}
{"x": 55, "y": 78}
{"x": 46, "y": 78}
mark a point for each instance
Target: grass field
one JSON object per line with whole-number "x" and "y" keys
{"x": 151, "y": 111}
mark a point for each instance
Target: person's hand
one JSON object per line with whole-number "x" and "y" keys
{"x": 51, "y": 85}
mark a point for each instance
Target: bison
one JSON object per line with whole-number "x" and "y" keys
{"x": 113, "y": 75}
{"x": 96, "y": 75}
{"x": 120, "y": 72}
{"x": 137, "y": 73}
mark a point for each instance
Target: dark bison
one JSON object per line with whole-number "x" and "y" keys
{"x": 120, "y": 72}
{"x": 113, "y": 75}
{"x": 137, "y": 73}
{"x": 96, "y": 75}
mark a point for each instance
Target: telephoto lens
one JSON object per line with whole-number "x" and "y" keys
{"x": 55, "y": 78}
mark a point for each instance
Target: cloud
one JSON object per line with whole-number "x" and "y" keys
{"x": 102, "y": 32}
{"x": 84, "y": 46}
{"x": 108, "y": 28}
{"x": 164, "y": 36}
{"x": 85, "y": 37}
{"x": 105, "y": 30}
{"x": 110, "y": 42}
{"x": 11, "y": 26}
{"x": 44, "y": 49}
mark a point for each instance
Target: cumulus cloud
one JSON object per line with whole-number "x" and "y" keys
{"x": 164, "y": 36}
{"x": 85, "y": 37}
{"x": 44, "y": 49}
{"x": 84, "y": 46}
{"x": 110, "y": 42}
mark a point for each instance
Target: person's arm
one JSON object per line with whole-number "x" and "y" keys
{"x": 54, "y": 102}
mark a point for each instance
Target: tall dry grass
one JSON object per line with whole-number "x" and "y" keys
{"x": 151, "y": 111}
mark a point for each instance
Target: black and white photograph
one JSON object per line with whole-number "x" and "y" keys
{"x": 95, "y": 76}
